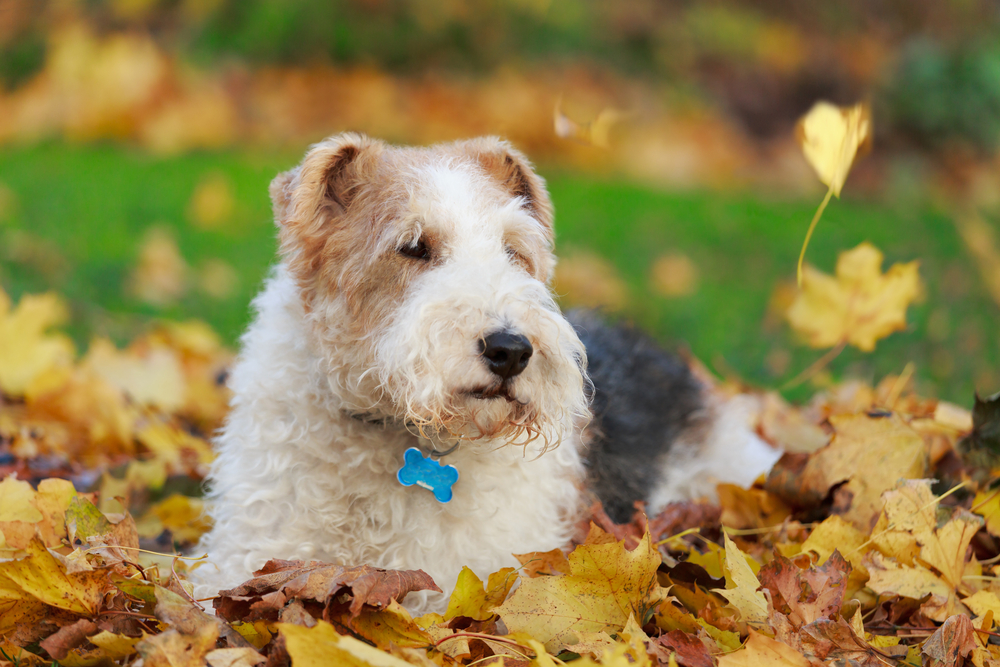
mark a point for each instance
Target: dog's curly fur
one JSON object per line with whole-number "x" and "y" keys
{"x": 396, "y": 265}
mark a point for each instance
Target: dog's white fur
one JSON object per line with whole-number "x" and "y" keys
{"x": 359, "y": 351}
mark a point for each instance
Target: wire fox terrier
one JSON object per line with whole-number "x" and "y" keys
{"x": 409, "y": 395}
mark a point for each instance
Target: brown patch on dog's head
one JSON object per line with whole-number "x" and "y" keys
{"x": 514, "y": 172}
{"x": 330, "y": 212}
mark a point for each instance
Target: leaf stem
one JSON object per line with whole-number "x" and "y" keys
{"x": 816, "y": 366}
{"x": 812, "y": 226}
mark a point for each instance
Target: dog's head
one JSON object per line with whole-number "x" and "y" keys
{"x": 424, "y": 273}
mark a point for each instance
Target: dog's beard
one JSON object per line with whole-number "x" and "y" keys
{"x": 491, "y": 413}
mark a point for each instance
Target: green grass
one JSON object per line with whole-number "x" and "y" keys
{"x": 79, "y": 213}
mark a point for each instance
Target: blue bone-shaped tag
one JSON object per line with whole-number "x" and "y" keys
{"x": 428, "y": 473}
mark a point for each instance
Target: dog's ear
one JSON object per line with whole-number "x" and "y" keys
{"x": 512, "y": 169}
{"x": 327, "y": 181}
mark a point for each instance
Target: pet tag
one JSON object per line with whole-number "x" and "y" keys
{"x": 428, "y": 473}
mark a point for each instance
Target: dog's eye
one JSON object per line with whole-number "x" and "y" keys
{"x": 416, "y": 250}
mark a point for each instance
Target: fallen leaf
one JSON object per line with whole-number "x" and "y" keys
{"x": 279, "y": 581}
{"x": 605, "y": 585}
{"x": 762, "y": 651}
{"x": 472, "y": 600}
{"x": 26, "y": 349}
{"x": 321, "y": 646}
{"x": 674, "y": 275}
{"x": 41, "y": 577}
{"x": 859, "y": 306}
{"x": 68, "y": 637}
{"x": 950, "y": 643}
{"x": 742, "y": 586}
{"x": 175, "y": 649}
{"x": 871, "y": 454}
{"x": 809, "y": 595}
{"x": 160, "y": 276}
{"x": 539, "y": 563}
{"x": 212, "y": 202}
{"x": 234, "y": 657}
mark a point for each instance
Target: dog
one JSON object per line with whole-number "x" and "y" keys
{"x": 410, "y": 396}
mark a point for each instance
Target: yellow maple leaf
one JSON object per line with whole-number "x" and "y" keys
{"x": 26, "y": 350}
{"x": 761, "y": 651}
{"x": 742, "y": 585}
{"x": 860, "y": 305}
{"x": 320, "y": 646}
{"x": 41, "y": 577}
{"x": 470, "y": 598}
{"x": 872, "y": 454}
{"x": 605, "y": 584}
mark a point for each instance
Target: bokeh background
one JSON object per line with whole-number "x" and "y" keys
{"x": 137, "y": 139}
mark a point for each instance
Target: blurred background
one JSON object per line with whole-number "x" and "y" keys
{"x": 137, "y": 139}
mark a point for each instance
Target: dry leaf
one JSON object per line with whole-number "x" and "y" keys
{"x": 859, "y": 306}
{"x": 742, "y": 586}
{"x": 831, "y": 137}
{"x": 605, "y": 585}
{"x": 26, "y": 349}
{"x": 321, "y": 646}
{"x": 872, "y": 454}
{"x": 761, "y": 651}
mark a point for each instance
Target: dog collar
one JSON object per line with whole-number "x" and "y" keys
{"x": 425, "y": 472}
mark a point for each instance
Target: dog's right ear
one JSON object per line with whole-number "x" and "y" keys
{"x": 326, "y": 182}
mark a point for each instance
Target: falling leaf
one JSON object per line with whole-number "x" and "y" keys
{"x": 606, "y": 583}
{"x": 742, "y": 586}
{"x": 859, "y": 306}
{"x": 595, "y": 133}
{"x": 26, "y": 349}
{"x": 831, "y": 137}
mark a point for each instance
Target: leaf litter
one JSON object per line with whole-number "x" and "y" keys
{"x": 848, "y": 553}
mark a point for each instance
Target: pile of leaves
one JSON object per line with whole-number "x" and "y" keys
{"x": 847, "y": 553}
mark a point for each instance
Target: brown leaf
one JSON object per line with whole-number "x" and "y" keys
{"x": 68, "y": 638}
{"x": 279, "y": 581}
{"x": 951, "y": 642}
{"x": 689, "y": 651}
{"x": 871, "y": 454}
{"x": 176, "y": 649}
{"x": 808, "y": 595}
{"x": 541, "y": 563}
{"x": 835, "y": 640}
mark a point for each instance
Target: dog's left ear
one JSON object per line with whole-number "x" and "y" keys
{"x": 512, "y": 169}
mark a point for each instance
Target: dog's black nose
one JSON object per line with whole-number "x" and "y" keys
{"x": 506, "y": 354}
